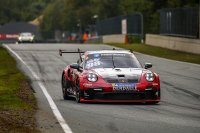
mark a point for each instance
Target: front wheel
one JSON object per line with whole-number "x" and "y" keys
{"x": 78, "y": 93}
{"x": 78, "y": 96}
{"x": 65, "y": 86}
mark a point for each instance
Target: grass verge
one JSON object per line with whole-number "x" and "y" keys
{"x": 17, "y": 102}
{"x": 161, "y": 52}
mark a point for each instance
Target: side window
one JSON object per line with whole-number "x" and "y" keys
{"x": 82, "y": 64}
{"x": 79, "y": 61}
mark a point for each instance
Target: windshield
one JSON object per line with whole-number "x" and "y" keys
{"x": 26, "y": 34}
{"x": 111, "y": 60}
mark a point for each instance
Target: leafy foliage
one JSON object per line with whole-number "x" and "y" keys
{"x": 20, "y": 10}
{"x": 71, "y": 15}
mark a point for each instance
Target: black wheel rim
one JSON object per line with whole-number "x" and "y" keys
{"x": 78, "y": 96}
{"x": 78, "y": 93}
{"x": 64, "y": 87}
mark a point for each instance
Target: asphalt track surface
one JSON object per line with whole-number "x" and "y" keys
{"x": 178, "y": 112}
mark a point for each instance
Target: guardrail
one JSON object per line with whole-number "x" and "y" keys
{"x": 174, "y": 43}
{"x": 8, "y": 36}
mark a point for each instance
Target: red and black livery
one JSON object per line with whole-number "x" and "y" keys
{"x": 109, "y": 76}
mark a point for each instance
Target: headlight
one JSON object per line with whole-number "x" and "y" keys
{"x": 149, "y": 76}
{"x": 92, "y": 77}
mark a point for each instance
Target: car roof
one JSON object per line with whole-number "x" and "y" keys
{"x": 109, "y": 51}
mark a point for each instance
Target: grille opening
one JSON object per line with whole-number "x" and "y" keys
{"x": 133, "y": 81}
{"x": 121, "y": 76}
{"x": 125, "y": 96}
{"x": 120, "y": 79}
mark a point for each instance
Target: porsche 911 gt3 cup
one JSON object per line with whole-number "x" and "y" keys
{"x": 109, "y": 76}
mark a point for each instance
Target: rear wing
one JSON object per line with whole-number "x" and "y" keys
{"x": 65, "y": 51}
{"x": 79, "y": 51}
{"x": 130, "y": 50}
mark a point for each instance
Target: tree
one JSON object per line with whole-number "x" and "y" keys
{"x": 106, "y": 8}
{"x": 52, "y": 18}
{"x": 15, "y": 10}
{"x": 67, "y": 14}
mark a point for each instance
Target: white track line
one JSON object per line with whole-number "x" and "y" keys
{"x": 52, "y": 104}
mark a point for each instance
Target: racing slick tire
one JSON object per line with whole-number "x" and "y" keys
{"x": 78, "y": 94}
{"x": 65, "y": 86}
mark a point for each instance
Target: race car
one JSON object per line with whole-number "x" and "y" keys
{"x": 26, "y": 37}
{"x": 109, "y": 76}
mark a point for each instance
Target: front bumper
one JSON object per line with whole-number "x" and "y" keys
{"x": 97, "y": 96}
{"x": 26, "y": 40}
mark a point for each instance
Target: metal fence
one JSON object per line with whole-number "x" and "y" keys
{"x": 134, "y": 25}
{"x": 179, "y": 22}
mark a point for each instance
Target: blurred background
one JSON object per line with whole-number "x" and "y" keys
{"x": 68, "y": 20}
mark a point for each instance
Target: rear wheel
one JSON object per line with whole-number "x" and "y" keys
{"x": 65, "y": 86}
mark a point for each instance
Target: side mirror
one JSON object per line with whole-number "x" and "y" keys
{"x": 147, "y": 65}
{"x": 76, "y": 66}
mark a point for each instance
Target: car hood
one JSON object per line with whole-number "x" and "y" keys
{"x": 120, "y": 75}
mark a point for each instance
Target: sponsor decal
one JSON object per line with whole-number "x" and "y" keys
{"x": 96, "y": 55}
{"x": 87, "y": 85}
{"x": 122, "y": 80}
{"x": 4, "y": 36}
{"x": 123, "y": 87}
{"x": 155, "y": 84}
{"x": 93, "y": 63}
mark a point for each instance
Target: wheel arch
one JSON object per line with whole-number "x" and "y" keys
{"x": 66, "y": 74}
